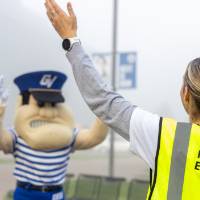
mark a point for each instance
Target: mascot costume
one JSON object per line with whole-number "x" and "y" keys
{"x": 43, "y": 136}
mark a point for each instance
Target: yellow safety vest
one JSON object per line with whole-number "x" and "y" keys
{"x": 177, "y": 167}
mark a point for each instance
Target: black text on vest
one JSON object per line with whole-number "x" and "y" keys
{"x": 197, "y": 165}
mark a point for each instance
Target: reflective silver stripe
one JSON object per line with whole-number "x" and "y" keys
{"x": 178, "y": 161}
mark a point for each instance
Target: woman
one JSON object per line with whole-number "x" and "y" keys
{"x": 171, "y": 149}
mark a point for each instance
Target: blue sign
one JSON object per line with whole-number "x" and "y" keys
{"x": 125, "y": 68}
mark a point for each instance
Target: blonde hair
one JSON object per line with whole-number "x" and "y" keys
{"x": 192, "y": 80}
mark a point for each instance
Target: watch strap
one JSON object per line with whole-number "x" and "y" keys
{"x": 71, "y": 42}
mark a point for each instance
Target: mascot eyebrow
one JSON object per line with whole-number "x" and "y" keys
{"x": 25, "y": 97}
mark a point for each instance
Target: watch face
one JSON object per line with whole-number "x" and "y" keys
{"x": 66, "y": 44}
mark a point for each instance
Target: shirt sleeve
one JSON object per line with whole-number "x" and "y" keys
{"x": 14, "y": 138}
{"x": 144, "y": 131}
{"x": 108, "y": 105}
{"x": 75, "y": 134}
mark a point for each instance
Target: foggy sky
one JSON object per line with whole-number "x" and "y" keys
{"x": 165, "y": 35}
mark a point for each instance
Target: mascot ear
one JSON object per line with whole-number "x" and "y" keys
{"x": 19, "y": 101}
{"x": 66, "y": 112}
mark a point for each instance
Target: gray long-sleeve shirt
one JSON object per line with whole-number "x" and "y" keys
{"x": 109, "y": 106}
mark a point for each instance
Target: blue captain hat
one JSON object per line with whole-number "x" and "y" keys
{"x": 45, "y": 86}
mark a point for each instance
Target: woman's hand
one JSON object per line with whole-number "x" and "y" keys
{"x": 65, "y": 24}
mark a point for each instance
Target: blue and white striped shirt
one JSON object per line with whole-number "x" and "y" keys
{"x": 40, "y": 167}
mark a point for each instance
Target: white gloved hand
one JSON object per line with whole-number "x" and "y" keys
{"x": 3, "y": 92}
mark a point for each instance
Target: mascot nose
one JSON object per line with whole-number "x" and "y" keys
{"x": 48, "y": 112}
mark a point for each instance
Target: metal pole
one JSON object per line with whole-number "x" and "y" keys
{"x": 114, "y": 57}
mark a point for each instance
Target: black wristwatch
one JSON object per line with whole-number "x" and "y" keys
{"x": 68, "y": 43}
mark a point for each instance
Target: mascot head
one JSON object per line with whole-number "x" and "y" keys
{"x": 41, "y": 118}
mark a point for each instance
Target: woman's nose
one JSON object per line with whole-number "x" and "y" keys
{"x": 48, "y": 112}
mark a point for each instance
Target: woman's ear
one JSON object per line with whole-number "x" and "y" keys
{"x": 186, "y": 94}
{"x": 185, "y": 97}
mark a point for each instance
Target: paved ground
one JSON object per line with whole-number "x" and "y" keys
{"x": 88, "y": 162}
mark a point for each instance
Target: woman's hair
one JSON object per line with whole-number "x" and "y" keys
{"x": 192, "y": 80}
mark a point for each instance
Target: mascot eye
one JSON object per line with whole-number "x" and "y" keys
{"x": 41, "y": 104}
{"x": 53, "y": 104}
{"x": 25, "y": 97}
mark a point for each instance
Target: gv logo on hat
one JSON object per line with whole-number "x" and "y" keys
{"x": 47, "y": 80}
